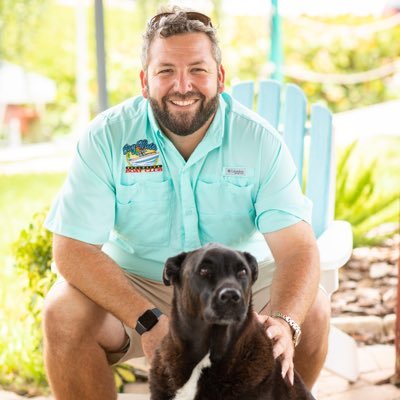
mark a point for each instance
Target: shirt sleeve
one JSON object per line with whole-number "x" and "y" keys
{"x": 280, "y": 202}
{"x": 84, "y": 209}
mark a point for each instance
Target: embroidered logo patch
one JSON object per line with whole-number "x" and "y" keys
{"x": 142, "y": 156}
{"x": 235, "y": 171}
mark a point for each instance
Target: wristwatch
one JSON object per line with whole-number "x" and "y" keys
{"x": 147, "y": 320}
{"x": 294, "y": 326}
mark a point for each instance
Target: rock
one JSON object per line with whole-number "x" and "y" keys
{"x": 345, "y": 285}
{"x": 389, "y": 324}
{"x": 354, "y": 309}
{"x": 378, "y": 310}
{"x": 354, "y": 275}
{"x": 366, "y": 283}
{"x": 360, "y": 253}
{"x": 379, "y": 270}
{"x": 390, "y": 282}
{"x": 389, "y": 294}
{"x": 371, "y": 324}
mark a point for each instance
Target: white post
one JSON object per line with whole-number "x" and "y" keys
{"x": 82, "y": 92}
{"x": 14, "y": 132}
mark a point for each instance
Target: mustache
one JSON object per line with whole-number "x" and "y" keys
{"x": 183, "y": 97}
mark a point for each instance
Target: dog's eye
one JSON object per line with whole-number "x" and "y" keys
{"x": 205, "y": 272}
{"x": 242, "y": 273}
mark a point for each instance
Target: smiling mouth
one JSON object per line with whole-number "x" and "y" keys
{"x": 184, "y": 103}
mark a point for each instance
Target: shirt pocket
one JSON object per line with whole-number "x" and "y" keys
{"x": 226, "y": 212}
{"x": 143, "y": 213}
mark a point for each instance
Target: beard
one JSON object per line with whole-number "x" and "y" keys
{"x": 184, "y": 123}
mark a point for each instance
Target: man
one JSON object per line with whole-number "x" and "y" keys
{"x": 167, "y": 172}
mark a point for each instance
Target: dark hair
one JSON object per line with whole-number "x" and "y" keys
{"x": 177, "y": 21}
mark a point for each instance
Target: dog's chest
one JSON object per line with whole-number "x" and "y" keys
{"x": 189, "y": 390}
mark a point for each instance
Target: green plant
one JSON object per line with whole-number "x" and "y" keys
{"x": 32, "y": 253}
{"x": 359, "y": 202}
{"x": 33, "y": 257}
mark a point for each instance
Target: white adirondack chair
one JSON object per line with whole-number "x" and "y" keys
{"x": 335, "y": 239}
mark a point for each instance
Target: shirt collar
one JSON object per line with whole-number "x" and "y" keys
{"x": 153, "y": 122}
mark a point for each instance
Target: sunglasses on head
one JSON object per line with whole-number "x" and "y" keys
{"x": 191, "y": 15}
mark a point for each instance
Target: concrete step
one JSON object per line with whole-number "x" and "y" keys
{"x": 133, "y": 396}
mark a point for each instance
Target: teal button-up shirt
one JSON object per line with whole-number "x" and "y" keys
{"x": 131, "y": 190}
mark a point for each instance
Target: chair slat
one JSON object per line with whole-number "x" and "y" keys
{"x": 321, "y": 171}
{"x": 243, "y": 92}
{"x": 269, "y": 101}
{"x": 294, "y": 125}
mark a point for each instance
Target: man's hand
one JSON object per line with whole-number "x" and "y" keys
{"x": 282, "y": 338}
{"x": 151, "y": 340}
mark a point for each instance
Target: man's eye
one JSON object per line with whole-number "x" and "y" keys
{"x": 242, "y": 273}
{"x": 165, "y": 71}
{"x": 197, "y": 70}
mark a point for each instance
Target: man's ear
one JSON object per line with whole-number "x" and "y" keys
{"x": 221, "y": 79}
{"x": 253, "y": 264}
{"x": 172, "y": 269}
{"x": 143, "y": 82}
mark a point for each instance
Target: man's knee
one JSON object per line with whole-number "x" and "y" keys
{"x": 315, "y": 328}
{"x": 66, "y": 313}
{"x": 320, "y": 312}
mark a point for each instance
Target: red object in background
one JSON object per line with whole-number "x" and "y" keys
{"x": 25, "y": 114}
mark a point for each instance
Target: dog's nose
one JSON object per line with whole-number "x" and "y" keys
{"x": 227, "y": 295}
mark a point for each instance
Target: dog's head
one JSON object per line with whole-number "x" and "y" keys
{"x": 213, "y": 282}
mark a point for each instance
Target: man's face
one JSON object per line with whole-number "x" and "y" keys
{"x": 182, "y": 82}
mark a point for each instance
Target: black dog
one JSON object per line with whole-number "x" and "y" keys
{"x": 216, "y": 349}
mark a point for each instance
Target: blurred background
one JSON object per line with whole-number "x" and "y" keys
{"x": 343, "y": 54}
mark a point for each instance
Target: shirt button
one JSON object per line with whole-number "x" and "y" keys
{"x": 189, "y": 212}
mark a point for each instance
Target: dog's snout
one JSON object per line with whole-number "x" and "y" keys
{"x": 229, "y": 295}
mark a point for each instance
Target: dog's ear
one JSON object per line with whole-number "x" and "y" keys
{"x": 253, "y": 264}
{"x": 172, "y": 269}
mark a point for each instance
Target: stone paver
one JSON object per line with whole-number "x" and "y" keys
{"x": 129, "y": 396}
{"x": 383, "y": 392}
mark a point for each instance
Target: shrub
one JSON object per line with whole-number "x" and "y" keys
{"x": 359, "y": 202}
{"x": 33, "y": 256}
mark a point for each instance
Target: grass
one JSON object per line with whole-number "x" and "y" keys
{"x": 21, "y": 196}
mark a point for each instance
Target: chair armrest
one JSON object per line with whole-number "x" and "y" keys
{"x": 335, "y": 245}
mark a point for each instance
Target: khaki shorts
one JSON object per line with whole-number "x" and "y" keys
{"x": 161, "y": 296}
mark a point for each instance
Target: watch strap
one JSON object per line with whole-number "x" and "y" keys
{"x": 294, "y": 326}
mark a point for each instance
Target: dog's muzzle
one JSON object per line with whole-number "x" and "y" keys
{"x": 227, "y": 306}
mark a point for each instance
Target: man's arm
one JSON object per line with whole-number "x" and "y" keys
{"x": 96, "y": 275}
{"x": 296, "y": 279}
{"x": 294, "y": 285}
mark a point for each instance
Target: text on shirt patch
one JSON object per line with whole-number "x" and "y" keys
{"x": 235, "y": 171}
{"x": 142, "y": 156}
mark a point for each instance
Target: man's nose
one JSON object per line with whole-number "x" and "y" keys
{"x": 183, "y": 83}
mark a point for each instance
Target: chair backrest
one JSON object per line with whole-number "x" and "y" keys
{"x": 287, "y": 112}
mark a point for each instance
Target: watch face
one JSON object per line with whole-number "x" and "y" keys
{"x": 147, "y": 321}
